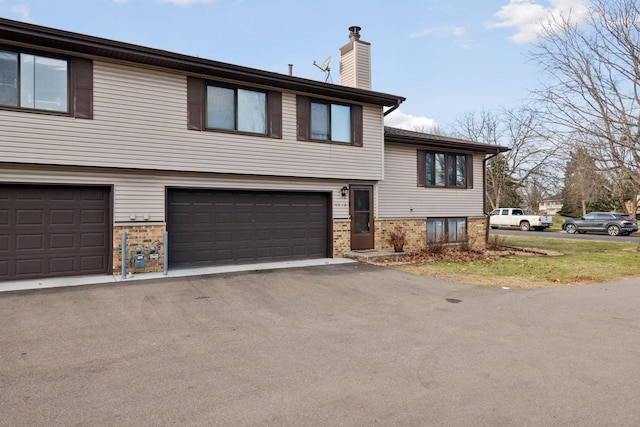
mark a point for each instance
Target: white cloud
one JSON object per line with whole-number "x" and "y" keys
{"x": 23, "y": 12}
{"x": 398, "y": 119}
{"x": 458, "y": 34}
{"x": 19, "y": 12}
{"x": 528, "y": 16}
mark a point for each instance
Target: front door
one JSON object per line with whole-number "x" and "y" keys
{"x": 361, "y": 210}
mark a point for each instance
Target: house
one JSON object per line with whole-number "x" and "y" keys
{"x": 104, "y": 142}
{"x": 550, "y": 206}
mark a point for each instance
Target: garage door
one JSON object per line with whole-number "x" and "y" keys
{"x": 51, "y": 231}
{"x": 227, "y": 227}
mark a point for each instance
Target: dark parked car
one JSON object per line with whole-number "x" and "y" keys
{"x": 601, "y": 222}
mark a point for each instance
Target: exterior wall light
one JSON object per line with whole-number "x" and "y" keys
{"x": 344, "y": 191}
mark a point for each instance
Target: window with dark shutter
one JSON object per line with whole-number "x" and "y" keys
{"x": 321, "y": 120}
{"x": 228, "y": 108}
{"x": 45, "y": 83}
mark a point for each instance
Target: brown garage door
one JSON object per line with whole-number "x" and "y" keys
{"x": 51, "y": 231}
{"x": 221, "y": 227}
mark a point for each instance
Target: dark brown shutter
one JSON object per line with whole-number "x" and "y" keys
{"x": 422, "y": 168}
{"x": 82, "y": 87}
{"x": 303, "y": 115}
{"x": 469, "y": 171}
{"x": 356, "y": 125}
{"x": 274, "y": 114}
{"x": 195, "y": 103}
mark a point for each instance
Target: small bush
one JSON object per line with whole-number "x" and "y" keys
{"x": 436, "y": 245}
{"x": 496, "y": 241}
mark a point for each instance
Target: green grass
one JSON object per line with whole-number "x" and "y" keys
{"x": 578, "y": 262}
{"x": 557, "y": 222}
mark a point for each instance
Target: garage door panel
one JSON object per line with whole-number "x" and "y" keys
{"x": 29, "y": 217}
{"x": 27, "y": 242}
{"x": 64, "y": 217}
{"x": 93, "y": 263}
{"x": 62, "y": 265}
{"x": 54, "y": 231}
{"x": 247, "y": 226}
{"x": 28, "y": 267}
{"x": 62, "y": 241}
{"x": 93, "y": 240}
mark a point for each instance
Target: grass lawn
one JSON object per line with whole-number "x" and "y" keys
{"x": 580, "y": 262}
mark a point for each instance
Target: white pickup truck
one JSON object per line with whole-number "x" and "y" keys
{"x": 512, "y": 217}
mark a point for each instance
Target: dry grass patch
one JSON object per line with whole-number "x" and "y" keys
{"x": 529, "y": 263}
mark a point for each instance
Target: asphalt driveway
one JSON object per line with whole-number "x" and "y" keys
{"x": 337, "y": 345}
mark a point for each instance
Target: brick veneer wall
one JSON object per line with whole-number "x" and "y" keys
{"x": 143, "y": 235}
{"x": 415, "y": 231}
{"x": 476, "y": 231}
{"x": 341, "y": 238}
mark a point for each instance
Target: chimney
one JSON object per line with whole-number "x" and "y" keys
{"x": 355, "y": 61}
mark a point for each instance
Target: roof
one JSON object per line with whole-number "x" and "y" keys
{"x": 403, "y": 136}
{"x": 35, "y": 35}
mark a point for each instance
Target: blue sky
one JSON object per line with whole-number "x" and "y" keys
{"x": 447, "y": 57}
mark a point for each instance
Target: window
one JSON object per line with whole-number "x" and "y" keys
{"x": 229, "y": 108}
{"x": 448, "y": 230}
{"x": 236, "y": 109}
{"x": 33, "y": 82}
{"x": 330, "y": 122}
{"x": 442, "y": 169}
{"x": 319, "y": 120}
{"x": 40, "y": 83}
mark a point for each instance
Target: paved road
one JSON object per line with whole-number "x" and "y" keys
{"x": 563, "y": 235}
{"x": 349, "y": 345}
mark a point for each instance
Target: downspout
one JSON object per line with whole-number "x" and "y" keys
{"x": 484, "y": 195}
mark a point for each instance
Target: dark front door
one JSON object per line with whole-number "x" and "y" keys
{"x": 361, "y": 210}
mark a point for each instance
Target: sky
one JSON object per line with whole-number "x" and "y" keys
{"x": 447, "y": 57}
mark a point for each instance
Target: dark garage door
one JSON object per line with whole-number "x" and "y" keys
{"x": 221, "y": 227}
{"x": 51, "y": 231}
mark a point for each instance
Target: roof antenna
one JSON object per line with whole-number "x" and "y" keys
{"x": 324, "y": 67}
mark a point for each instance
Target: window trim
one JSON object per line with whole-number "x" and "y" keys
{"x": 79, "y": 85}
{"x": 303, "y": 121}
{"x": 422, "y": 169}
{"x": 197, "y": 108}
{"x": 446, "y": 229}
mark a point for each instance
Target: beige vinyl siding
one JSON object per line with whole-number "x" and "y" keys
{"x": 144, "y": 192}
{"x": 348, "y": 69}
{"x": 140, "y": 123}
{"x": 400, "y": 197}
{"x": 363, "y": 68}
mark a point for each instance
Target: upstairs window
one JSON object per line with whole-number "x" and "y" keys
{"x": 222, "y": 107}
{"x": 40, "y": 83}
{"x": 330, "y": 122}
{"x": 319, "y": 120}
{"x": 236, "y": 109}
{"x": 443, "y": 169}
{"x": 33, "y": 82}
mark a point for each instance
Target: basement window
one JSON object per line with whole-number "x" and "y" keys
{"x": 446, "y": 230}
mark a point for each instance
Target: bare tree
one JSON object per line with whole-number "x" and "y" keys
{"x": 583, "y": 184}
{"x": 593, "y": 84}
{"x": 530, "y": 155}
